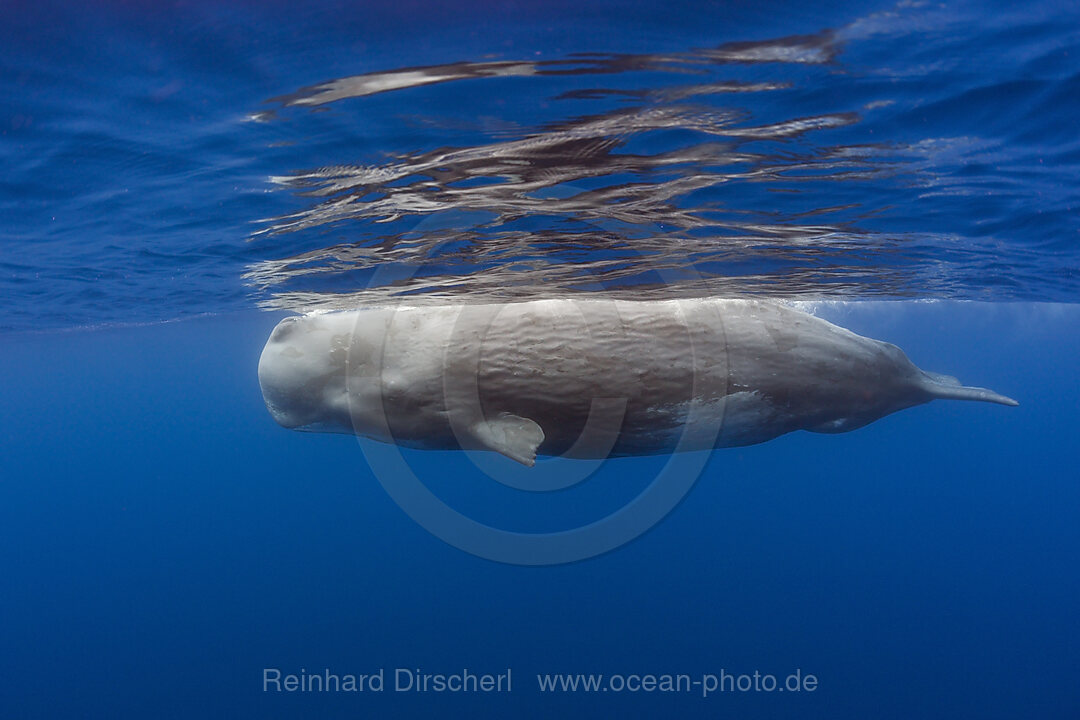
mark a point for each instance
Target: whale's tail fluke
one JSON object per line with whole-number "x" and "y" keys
{"x": 949, "y": 388}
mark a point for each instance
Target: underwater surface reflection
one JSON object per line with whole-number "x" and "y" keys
{"x": 728, "y": 171}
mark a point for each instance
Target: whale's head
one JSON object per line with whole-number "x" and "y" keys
{"x": 322, "y": 373}
{"x": 302, "y": 373}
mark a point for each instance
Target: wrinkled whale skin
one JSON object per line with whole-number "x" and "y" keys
{"x": 522, "y": 378}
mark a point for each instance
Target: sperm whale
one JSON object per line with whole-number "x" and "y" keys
{"x": 587, "y": 378}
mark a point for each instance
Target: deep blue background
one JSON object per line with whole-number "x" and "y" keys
{"x": 163, "y": 541}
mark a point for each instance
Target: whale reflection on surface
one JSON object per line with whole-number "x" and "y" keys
{"x": 741, "y": 182}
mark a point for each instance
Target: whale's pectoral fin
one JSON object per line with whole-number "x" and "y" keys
{"x": 515, "y": 437}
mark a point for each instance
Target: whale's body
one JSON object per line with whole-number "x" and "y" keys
{"x": 587, "y": 378}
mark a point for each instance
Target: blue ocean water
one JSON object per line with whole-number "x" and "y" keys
{"x": 179, "y": 177}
